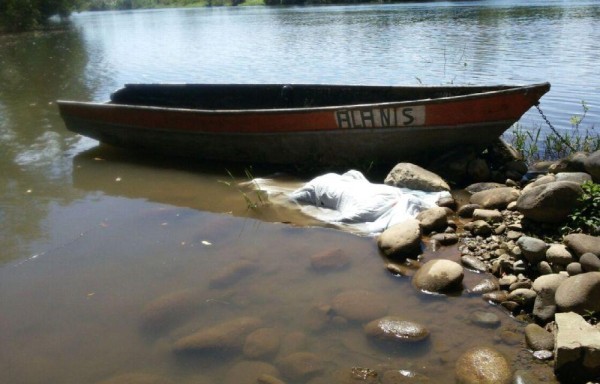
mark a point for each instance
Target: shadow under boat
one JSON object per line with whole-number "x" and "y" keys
{"x": 205, "y": 186}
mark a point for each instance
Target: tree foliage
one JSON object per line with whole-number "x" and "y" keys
{"x": 22, "y": 15}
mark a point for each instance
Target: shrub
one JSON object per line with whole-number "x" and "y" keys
{"x": 586, "y": 218}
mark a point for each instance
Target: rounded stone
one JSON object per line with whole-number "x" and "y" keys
{"x": 579, "y": 294}
{"x": 300, "y": 365}
{"x": 534, "y": 250}
{"x": 581, "y": 243}
{"x": 574, "y": 269}
{"x": 168, "y": 310}
{"x": 549, "y": 203}
{"x": 549, "y": 282}
{"x": 525, "y": 297}
{"x": 229, "y": 335}
{"x": 485, "y": 286}
{"x": 359, "y": 305}
{"x": 495, "y": 296}
{"x": 483, "y": 365}
{"x": 262, "y": 342}
{"x": 467, "y": 210}
{"x": 538, "y": 338}
{"x": 439, "y": 276}
{"x": 433, "y": 219}
{"x": 558, "y": 254}
{"x": 485, "y": 319}
{"x": 473, "y": 263}
{"x": 401, "y": 240}
{"x": 589, "y": 262}
{"x": 329, "y": 260}
{"x": 396, "y": 329}
{"x": 497, "y": 198}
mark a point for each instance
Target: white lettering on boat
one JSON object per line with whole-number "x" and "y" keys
{"x": 380, "y": 117}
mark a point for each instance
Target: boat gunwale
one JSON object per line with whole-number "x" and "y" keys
{"x": 428, "y": 101}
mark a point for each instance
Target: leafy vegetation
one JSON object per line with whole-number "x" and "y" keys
{"x": 22, "y": 15}
{"x": 533, "y": 145}
{"x": 586, "y": 218}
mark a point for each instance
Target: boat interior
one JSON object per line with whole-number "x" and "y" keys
{"x": 252, "y": 96}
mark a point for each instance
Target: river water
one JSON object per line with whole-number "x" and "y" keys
{"x": 91, "y": 235}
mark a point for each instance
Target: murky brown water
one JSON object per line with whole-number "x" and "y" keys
{"x": 74, "y": 313}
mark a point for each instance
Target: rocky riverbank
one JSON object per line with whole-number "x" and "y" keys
{"x": 508, "y": 232}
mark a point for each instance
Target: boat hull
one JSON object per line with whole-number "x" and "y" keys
{"x": 352, "y": 134}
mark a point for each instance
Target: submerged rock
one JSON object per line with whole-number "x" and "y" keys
{"x": 359, "y": 305}
{"x": 393, "y": 328}
{"x": 262, "y": 343}
{"x": 330, "y": 260}
{"x": 300, "y": 365}
{"x": 226, "y": 336}
{"x": 483, "y": 365}
{"x": 439, "y": 276}
{"x": 230, "y": 274}
{"x": 168, "y": 310}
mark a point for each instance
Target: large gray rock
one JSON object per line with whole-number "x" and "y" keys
{"x": 577, "y": 349}
{"x": 497, "y": 198}
{"x": 483, "y": 365}
{"x": 401, "y": 240}
{"x": 541, "y": 180}
{"x": 483, "y": 186}
{"x": 550, "y": 203}
{"x": 580, "y": 244}
{"x": 439, "y": 276}
{"x": 589, "y": 262}
{"x": 407, "y": 175}
{"x": 592, "y": 165}
{"x": 576, "y": 177}
{"x": 579, "y": 293}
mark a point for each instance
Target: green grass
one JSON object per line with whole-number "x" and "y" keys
{"x": 535, "y": 146}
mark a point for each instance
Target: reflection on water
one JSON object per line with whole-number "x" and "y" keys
{"x": 91, "y": 299}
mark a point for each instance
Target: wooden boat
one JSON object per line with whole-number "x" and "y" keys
{"x": 301, "y": 124}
